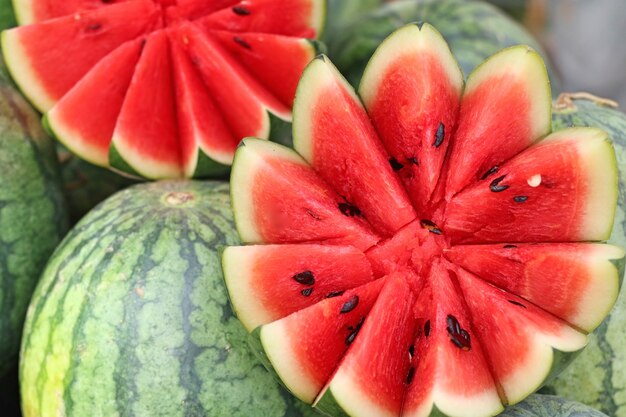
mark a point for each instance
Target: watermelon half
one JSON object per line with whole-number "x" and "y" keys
{"x": 429, "y": 247}
{"x": 161, "y": 89}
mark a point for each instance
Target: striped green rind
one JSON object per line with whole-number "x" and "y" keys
{"x": 7, "y": 16}
{"x": 33, "y": 217}
{"x": 598, "y": 376}
{"x": 131, "y": 317}
{"x": 474, "y": 31}
{"x": 547, "y": 405}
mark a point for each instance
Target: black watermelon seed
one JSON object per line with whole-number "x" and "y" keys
{"x": 241, "y": 11}
{"x": 413, "y": 160}
{"x": 241, "y": 42}
{"x": 411, "y": 374}
{"x": 516, "y": 303}
{"x": 453, "y": 325}
{"x": 432, "y": 227}
{"x": 461, "y": 340}
{"x": 350, "y": 304}
{"x": 520, "y": 198}
{"x": 491, "y": 171}
{"x": 305, "y": 278}
{"x": 351, "y": 337}
{"x": 495, "y": 185}
{"x": 349, "y": 210}
{"x": 306, "y": 292}
{"x": 93, "y": 27}
{"x": 395, "y": 165}
{"x": 439, "y": 135}
{"x": 509, "y": 246}
{"x": 427, "y": 328}
{"x": 412, "y": 350}
{"x": 334, "y": 294}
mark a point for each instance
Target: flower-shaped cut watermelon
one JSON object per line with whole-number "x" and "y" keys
{"x": 161, "y": 88}
{"x": 429, "y": 247}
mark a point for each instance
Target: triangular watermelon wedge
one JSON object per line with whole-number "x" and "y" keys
{"x": 246, "y": 59}
{"x": 491, "y": 284}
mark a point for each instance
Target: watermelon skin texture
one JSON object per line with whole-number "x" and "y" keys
{"x": 32, "y": 213}
{"x": 131, "y": 316}
{"x": 548, "y": 405}
{"x": 598, "y": 377}
{"x": 474, "y": 30}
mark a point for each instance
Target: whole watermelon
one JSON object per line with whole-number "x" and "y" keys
{"x": 474, "y": 30}
{"x": 131, "y": 317}
{"x": 598, "y": 376}
{"x": 32, "y": 213}
{"x": 550, "y": 406}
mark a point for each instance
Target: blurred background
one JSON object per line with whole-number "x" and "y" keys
{"x": 586, "y": 40}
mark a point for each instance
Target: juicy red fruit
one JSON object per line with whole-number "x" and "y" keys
{"x": 472, "y": 218}
{"x": 241, "y": 59}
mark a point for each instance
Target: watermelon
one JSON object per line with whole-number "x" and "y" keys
{"x": 474, "y": 30}
{"x": 597, "y": 378}
{"x": 33, "y": 217}
{"x": 549, "y": 405}
{"x": 161, "y": 89}
{"x": 429, "y": 246}
{"x": 131, "y": 317}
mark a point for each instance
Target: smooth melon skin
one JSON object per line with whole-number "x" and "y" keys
{"x": 131, "y": 316}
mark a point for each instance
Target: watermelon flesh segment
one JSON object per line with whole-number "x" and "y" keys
{"x": 415, "y": 130}
{"x": 90, "y": 135}
{"x": 488, "y": 290}
{"x": 511, "y": 328}
{"x": 38, "y": 61}
{"x": 145, "y": 136}
{"x": 587, "y": 274}
{"x": 237, "y": 79}
{"x": 360, "y": 172}
{"x": 447, "y": 355}
{"x": 287, "y": 202}
{"x": 371, "y": 382}
{"x": 539, "y": 197}
{"x": 200, "y": 122}
{"x": 506, "y": 107}
{"x": 278, "y": 272}
{"x": 331, "y": 326}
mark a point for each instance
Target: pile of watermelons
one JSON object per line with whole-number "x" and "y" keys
{"x": 440, "y": 232}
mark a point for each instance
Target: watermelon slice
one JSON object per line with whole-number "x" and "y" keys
{"x": 470, "y": 235}
{"x": 161, "y": 89}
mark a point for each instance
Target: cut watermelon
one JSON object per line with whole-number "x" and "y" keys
{"x": 209, "y": 74}
{"x": 471, "y": 221}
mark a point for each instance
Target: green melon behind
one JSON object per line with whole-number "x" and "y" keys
{"x": 131, "y": 316}
{"x": 32, "y": 213}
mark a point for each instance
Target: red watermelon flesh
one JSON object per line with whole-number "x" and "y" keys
{"x": 490, "y": 284}
{"x": 331, "y": 325}
{"x": 247, "y": 55}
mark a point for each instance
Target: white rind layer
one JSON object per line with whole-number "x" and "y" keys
{"x": 276, "y": 344}
{"x": 249, "y": 158}
{"x": 524, "y": 63}
{"x": 409, "y": 40}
